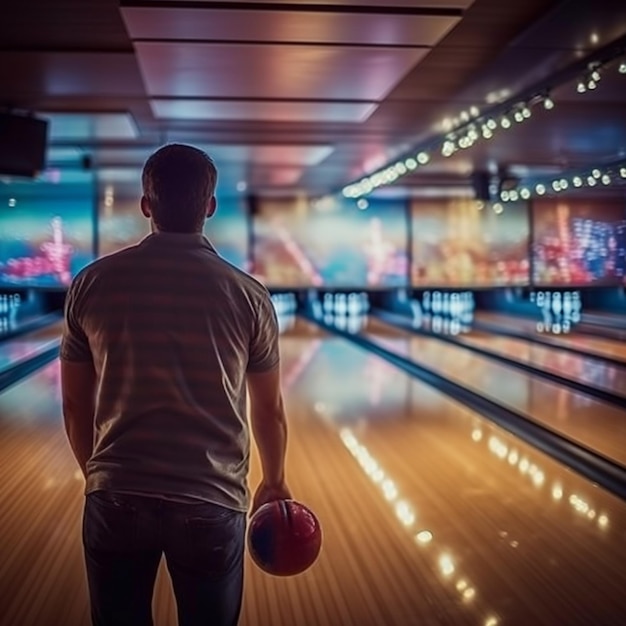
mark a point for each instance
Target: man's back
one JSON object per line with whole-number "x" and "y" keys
{"x": 172, "y": 329}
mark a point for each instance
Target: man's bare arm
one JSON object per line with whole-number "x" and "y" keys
{"x": 78, "y": 385}
{"x": 269, "y": 428}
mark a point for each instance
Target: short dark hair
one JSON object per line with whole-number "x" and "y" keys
{"x": 178, "y": 182}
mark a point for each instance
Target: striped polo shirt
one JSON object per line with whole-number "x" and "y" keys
{"x": 172, "y": 329}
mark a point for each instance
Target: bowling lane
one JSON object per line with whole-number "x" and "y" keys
{"x": 431, "y": 515}
{"x": 589, "y": 371}
{"x": 584, "y": 419}
{"x": 594, "y": 346}
{"x": 28, "y": 345}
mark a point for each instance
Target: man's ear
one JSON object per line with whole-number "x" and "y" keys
{"x": 211, "y": 208}
{"x": 145, "y": 207}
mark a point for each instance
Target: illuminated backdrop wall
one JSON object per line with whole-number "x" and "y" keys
{"x": 579, "y": 242}
{"x": 46, "y": 229}
{"x": 47, "y": 234}
{"x": 331, "y": 243}
{"x": 456, "y": 244}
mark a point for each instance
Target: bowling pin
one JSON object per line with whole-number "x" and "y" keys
{"x": 341, "y": 306}
{"x": 328, "y": 303}
{"x": 417, "y": 318}
{"x": 354, "y": 305}
{"x": 455, "y": 306}
{"x": 567, "y": 304}
{"x": 445, "y": 304}
{"x": 436, "y": 306}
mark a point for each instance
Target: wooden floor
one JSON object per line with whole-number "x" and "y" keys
{"x": 431, "y": 515}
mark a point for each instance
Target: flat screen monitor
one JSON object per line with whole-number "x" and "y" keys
{"x": 46, "y": 231}
{"x": 579, "y": 242}
{"x": 330, "y": 243}
{"x": 465, "y": 243}
{"x": 23, "y": 143}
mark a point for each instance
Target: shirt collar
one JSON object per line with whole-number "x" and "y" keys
{"x": 178, "y": 240}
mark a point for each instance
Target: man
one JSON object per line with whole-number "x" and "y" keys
{"x": 161, "y": 342}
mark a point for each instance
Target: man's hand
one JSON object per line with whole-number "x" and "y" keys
{"x": 266, "y": 493}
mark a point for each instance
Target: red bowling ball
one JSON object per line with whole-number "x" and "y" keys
{"x": 284, "y": 537}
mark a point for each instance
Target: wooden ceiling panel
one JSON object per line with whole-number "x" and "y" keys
{"x": 389, "y": 5}
{"x": 70, "y": 73}
{"x": 273, "y": 71}
{"x": 262, "y": 111}
{"x": 188, "y": 24}
{"x": 59, "y": 25}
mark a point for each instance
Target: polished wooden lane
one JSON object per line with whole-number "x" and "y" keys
{"x": 586, "y": 370}
{"x": 582, "y": 418}
{"x": 431, "y": 515}
{"x": 592, "y": 345}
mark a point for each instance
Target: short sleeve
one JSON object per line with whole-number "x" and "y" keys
{"x": 264, "y": 351}
{"x": 74, "y": 342}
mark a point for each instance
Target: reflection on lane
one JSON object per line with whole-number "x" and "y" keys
{"x": 26, "y": 346}
{"x": 593, "y": 345}
{"x": 582, "y": 418}
{"x": 514, "y": 537}
{"x": 589, "y": 371}
{"x": 35, "y": 400}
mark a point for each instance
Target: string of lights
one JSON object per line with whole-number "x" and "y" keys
{"x": 597, "y": 176}
{"x": 472, "y": 125}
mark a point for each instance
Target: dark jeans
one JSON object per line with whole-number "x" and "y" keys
{"x": 124, "y": 537}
